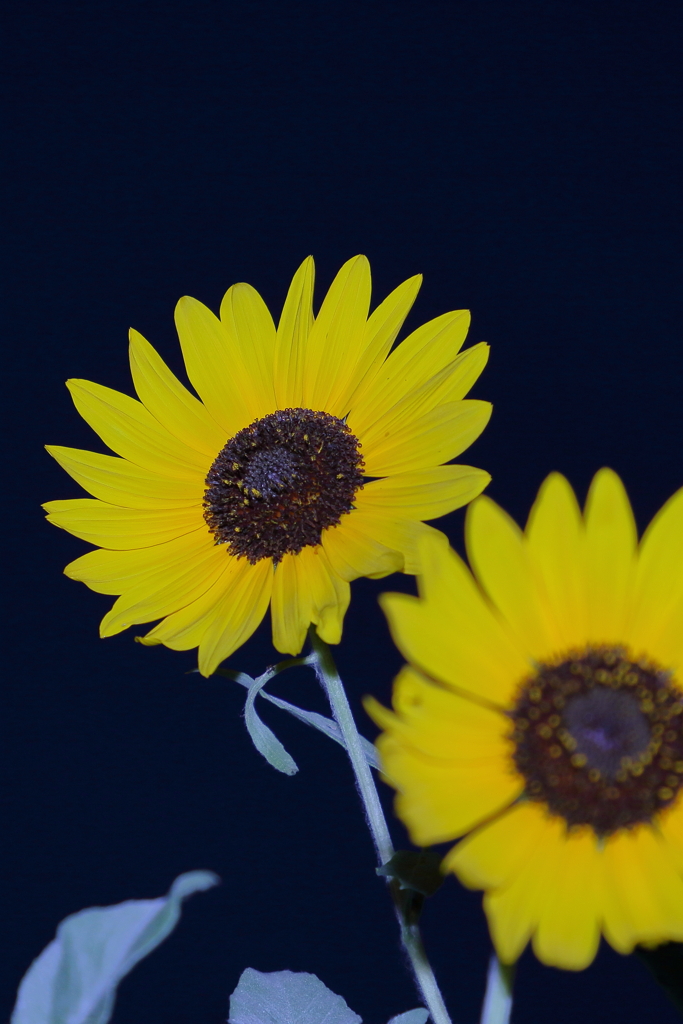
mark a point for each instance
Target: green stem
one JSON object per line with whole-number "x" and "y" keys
{"x": 498, "y": 999}
{"x": 328, "y": 676}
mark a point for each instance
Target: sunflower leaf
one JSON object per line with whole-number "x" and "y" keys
{"x": 74, "y": 979}
{"x": 325, "y": 725}
{"x": 287, "y": 997}
{"x": 417, "y": 1016}
{"x": 265, "y": 741}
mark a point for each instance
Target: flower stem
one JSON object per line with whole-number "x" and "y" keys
{"x": 328, "y": 677}
{"x": 498, "y": 999}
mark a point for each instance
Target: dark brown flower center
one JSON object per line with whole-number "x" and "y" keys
{"x": 278, "y": 483}
{"x": 599, "y": 739}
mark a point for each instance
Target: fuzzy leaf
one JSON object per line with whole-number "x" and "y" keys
{"x": 74, "y": 979}
{"x": 287, "y": 997}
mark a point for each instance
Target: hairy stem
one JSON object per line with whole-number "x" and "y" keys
{"x": 498, "y": 999}
{"x": 328, "y": 676}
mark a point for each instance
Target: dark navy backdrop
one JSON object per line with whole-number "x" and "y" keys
{"x": 523, "y": 157}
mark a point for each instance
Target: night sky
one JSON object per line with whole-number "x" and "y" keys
{"x": 523, "y": 156}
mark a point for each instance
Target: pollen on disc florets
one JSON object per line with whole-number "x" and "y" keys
{"x": 599, "y": 738}
{"x": 278, "y": 483}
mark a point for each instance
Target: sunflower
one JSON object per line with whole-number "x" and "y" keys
{"x": 542, "y": 713}
{"x": 258, "y": 493}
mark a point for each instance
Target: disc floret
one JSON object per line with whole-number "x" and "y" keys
{"x": 599, "y": 738}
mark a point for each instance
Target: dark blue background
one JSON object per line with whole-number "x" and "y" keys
{"x": 523, "y": 156}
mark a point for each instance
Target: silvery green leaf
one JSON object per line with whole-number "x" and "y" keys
{"x": 418, "y": 1016}
{"x": 325, "y": 725}
{"x": 286, "y": 997}
{"x": 263, "y": 739}
{"x": 74, "y": 979}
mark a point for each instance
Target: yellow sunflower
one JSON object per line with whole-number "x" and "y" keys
{"x": 542, "y": 713}
{"x": 257, "y": 493}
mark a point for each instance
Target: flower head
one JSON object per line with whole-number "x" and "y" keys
{"x": 257, "y": 493}
{"x": 541, "y": 716}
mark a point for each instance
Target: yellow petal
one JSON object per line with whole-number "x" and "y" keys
{"x": 223, "y": 618}
{"x": 671, "y": 827}
{"x": 115, "y": 572}
{"x": 611, "y": 539}
{"x": 494, "y": 855}
{"x": 131, "y": 431}
{"x": 440, "y": 723}
{"x": 121, "y": 483}
{"x": 166, "y": 588}
{"x": 214, "y": 365}
{"x": 380, "y": 333}
{"x": 170, "y": 403}
{"x": 357, "y": 548}
{"x": 336, "y": 338}
{"x": 424, "y": 494}
{"x": 438, "y": 436}
{"x": 304, "y": 591}
{"x": 121, "y": 528}
{"x": 418, "y": 358}
{"x": 452, "y": 634}
{"x": 656, "y": 625}
{"x": 292, "y": 337}
{"x": 440, "y": 799}
{"x": 556, "y": 544}
{"x": 643, "y": 892}
{"x": 246, "y": 317}
{"x": 568, "y": 932}
{"x": 500, "y": 560}
{"x": 238, "y": 615}
{"x": 514, "y": 911}
{"x": 449, "y": 385}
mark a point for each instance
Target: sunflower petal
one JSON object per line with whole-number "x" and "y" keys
{"x": 657, "y": 611}
{"x": 671, "y": 827}
{"x": 568, "y": 931}
{"x": 166, "y": 588}
{"x": 304, "y": 591}
{"x": 500, "y": 561}
{"x": 354, "y": 548}
{"x": 643, "y": 892}
{"x": 611, "y": 540}
{"x": 514, "y": 911}
{"x": 336, "y": 339}
{"x": 418, "y": 358}
{"x": 121, "y": 483}
{"x": 214, "y": 365}
{"x": 247, "y": 318}
{"x": 451, "y": 633}
{"x": 171, "y": 403}
{"x": 439, "y": 723}
{"x": 292, "y": 336}
{"x": 223, "y": 618}
{"x": 110, "y": 526}
{"x": 424, "y": 494}
{"x": 438, "y": 436}
{"x": 556, "y": 544}
{"x": 426, "y": 786}
{"x": 131, "y": 431}
{"x": 494, "y": 855}
{"x": 238, "y": 615}
{"x": 380, "y": 334}
{"x": 115, "y": 572}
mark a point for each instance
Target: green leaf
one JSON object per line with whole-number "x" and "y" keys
{"x": 74, "y": 979}
{"x": 287, "y": 997}
{"x": 325, "y": 725}
{"x": 419, "y": 870}
{"x": 265, "y": 741}
{"x": 418, "y": 1016}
